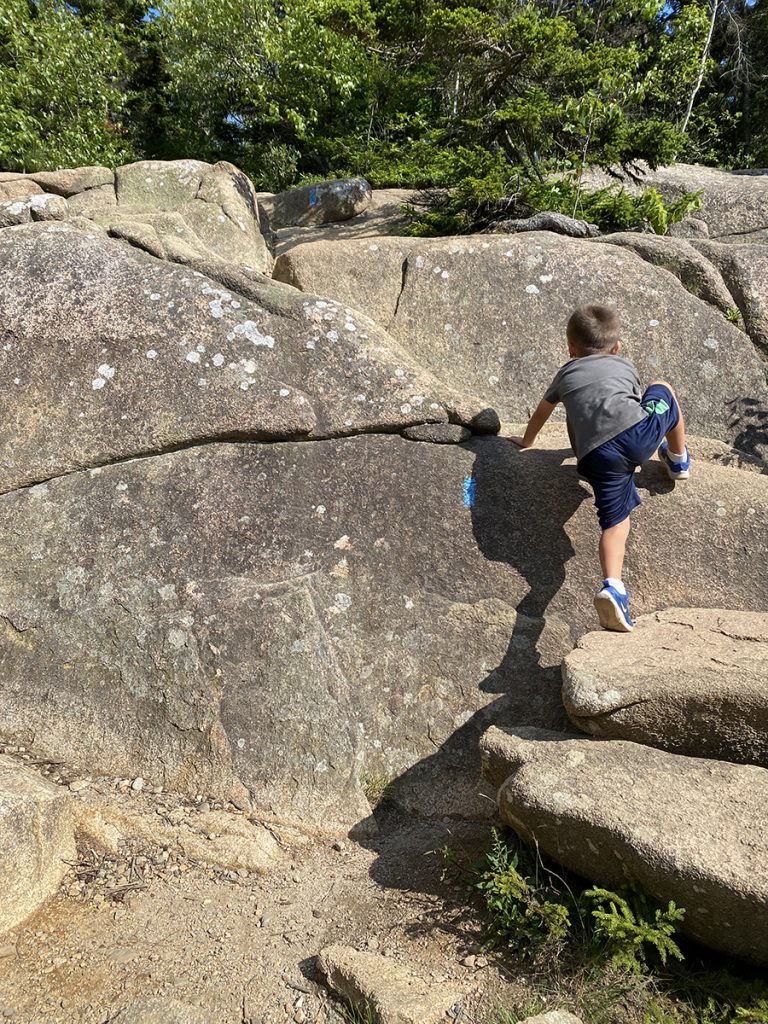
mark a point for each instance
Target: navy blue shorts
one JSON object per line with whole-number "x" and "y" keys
{"x": 610, "y": 468}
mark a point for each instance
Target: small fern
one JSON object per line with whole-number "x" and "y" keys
{"x": 629, "y": 928}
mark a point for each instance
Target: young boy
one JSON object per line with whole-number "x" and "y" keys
{"x": 613, "y": 430}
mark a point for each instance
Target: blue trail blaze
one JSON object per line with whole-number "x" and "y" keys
{"x": 470, "y": 491}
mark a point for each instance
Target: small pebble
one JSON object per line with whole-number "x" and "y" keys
{"x": 469, "y": 961}
{"x": 137, "y": 785}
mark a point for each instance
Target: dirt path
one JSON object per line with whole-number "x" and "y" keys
{"x": 147, "y": 922}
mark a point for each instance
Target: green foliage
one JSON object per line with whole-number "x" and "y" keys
{"x": 475, "y": 204}
{"x": 629, "y": 927}
{"x": 524, "y": 915}
{"x": 535, "y": 912}
{"x": 733, "y": 315}
{"x": 60, "y": 96}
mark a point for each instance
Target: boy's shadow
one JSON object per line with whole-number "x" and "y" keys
{"x": 520, "y": 504}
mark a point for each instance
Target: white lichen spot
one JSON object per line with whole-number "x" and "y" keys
{"x": 152, "y": 354}
{"x": 653, "y": 323}
{"x": 251, "y": 331}
{"x": 343, "y": 543}
{"x": 218, "y": 359}
{"x": 216, "y": 308}
{"x": 244, "y": 386}
{"x": 320, "y": 510}
{"x": 122, "y": 486}
{"x": 310, "y": 344}
{"x": 711, "y": 343}
{"x": 106, "y": 371}
{"x": 418, "y": 262}
{"x": 332, "y": 335}
{"x": 493, "y": 380}
{"x": 248, "y": 365}
{"x": 437, "y": 270}
{"x": 408, "y": 603}
{"x": 545, "y": 278}
{"x": 444, "y": 275}
{"x": 532, "y": 289}
{"x": 167, "y": 592}
{"x": 349, "y": 423}
{"x": 321, "y": 766}
{"x": 155, "y": 296}
{"x": 342, "y": 601}
{"x": 193, "y": 357}
{"x": 202, "y": 382}
{"x": 284, "y": 392}
{"x": 349, "y": 326}
{"x": 241, "y": 744}
{"x": 98, "y": 383}
{"x": 399, "y": 373}
{"x": 405, "y": 408}
{"x": 721, "y": 511}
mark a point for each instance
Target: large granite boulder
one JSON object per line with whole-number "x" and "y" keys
{"x": 384, "y": 215}
{"x": 184, "y": 211}
{"x": 489, "y": 313}
{"x": 693, "y": 681}
{"x": 324, "y": 202}
{"x": 37, "y": 841}
{"x": 287, "y": 623}
{"x": 681, "y": 828}
{"x": 106, "y": 354}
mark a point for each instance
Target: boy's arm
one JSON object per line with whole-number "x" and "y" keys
{"x": 540, "y": 416}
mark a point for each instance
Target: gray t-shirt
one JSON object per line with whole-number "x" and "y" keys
{"x": 601, "y": 395}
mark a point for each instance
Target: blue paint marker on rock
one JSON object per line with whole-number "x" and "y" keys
{"x": 470, "y": 492}
{"x": 313, "y": 197}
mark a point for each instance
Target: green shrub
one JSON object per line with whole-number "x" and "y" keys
{"x": 533, "y": 911}
{"x": 476, "y": 204}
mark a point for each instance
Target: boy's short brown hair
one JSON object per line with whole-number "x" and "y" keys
{"x": 593, "y": 329}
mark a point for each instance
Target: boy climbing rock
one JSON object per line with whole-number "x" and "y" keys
{"x": 613, "y": 429}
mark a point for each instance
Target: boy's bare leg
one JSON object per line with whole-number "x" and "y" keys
{"x": 613, "y": 544}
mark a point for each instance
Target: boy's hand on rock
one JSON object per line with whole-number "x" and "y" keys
{"x": 519, "y": 441}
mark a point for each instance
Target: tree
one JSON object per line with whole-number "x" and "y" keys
{"x": 59, "y": 100}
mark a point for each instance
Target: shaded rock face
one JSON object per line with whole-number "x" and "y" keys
{"x": 106, "y": 353}
{"x": 489, "y": 315}
{"x": 180, "y": 210}
{"x": 682, "y": 829}
{"x": 282, "y": 622}
{"x": 693, "y": 681}
{"x": 36, "y": 841}
{"x": 322, "y": 203}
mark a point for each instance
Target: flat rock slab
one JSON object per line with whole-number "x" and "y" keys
{"x": 37, "y": 841}
{"x": 487, "y": 314}
{"x": 693, "y": 681}
{"x": 383, "y": 991}
{"x": 681, "y": 828}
